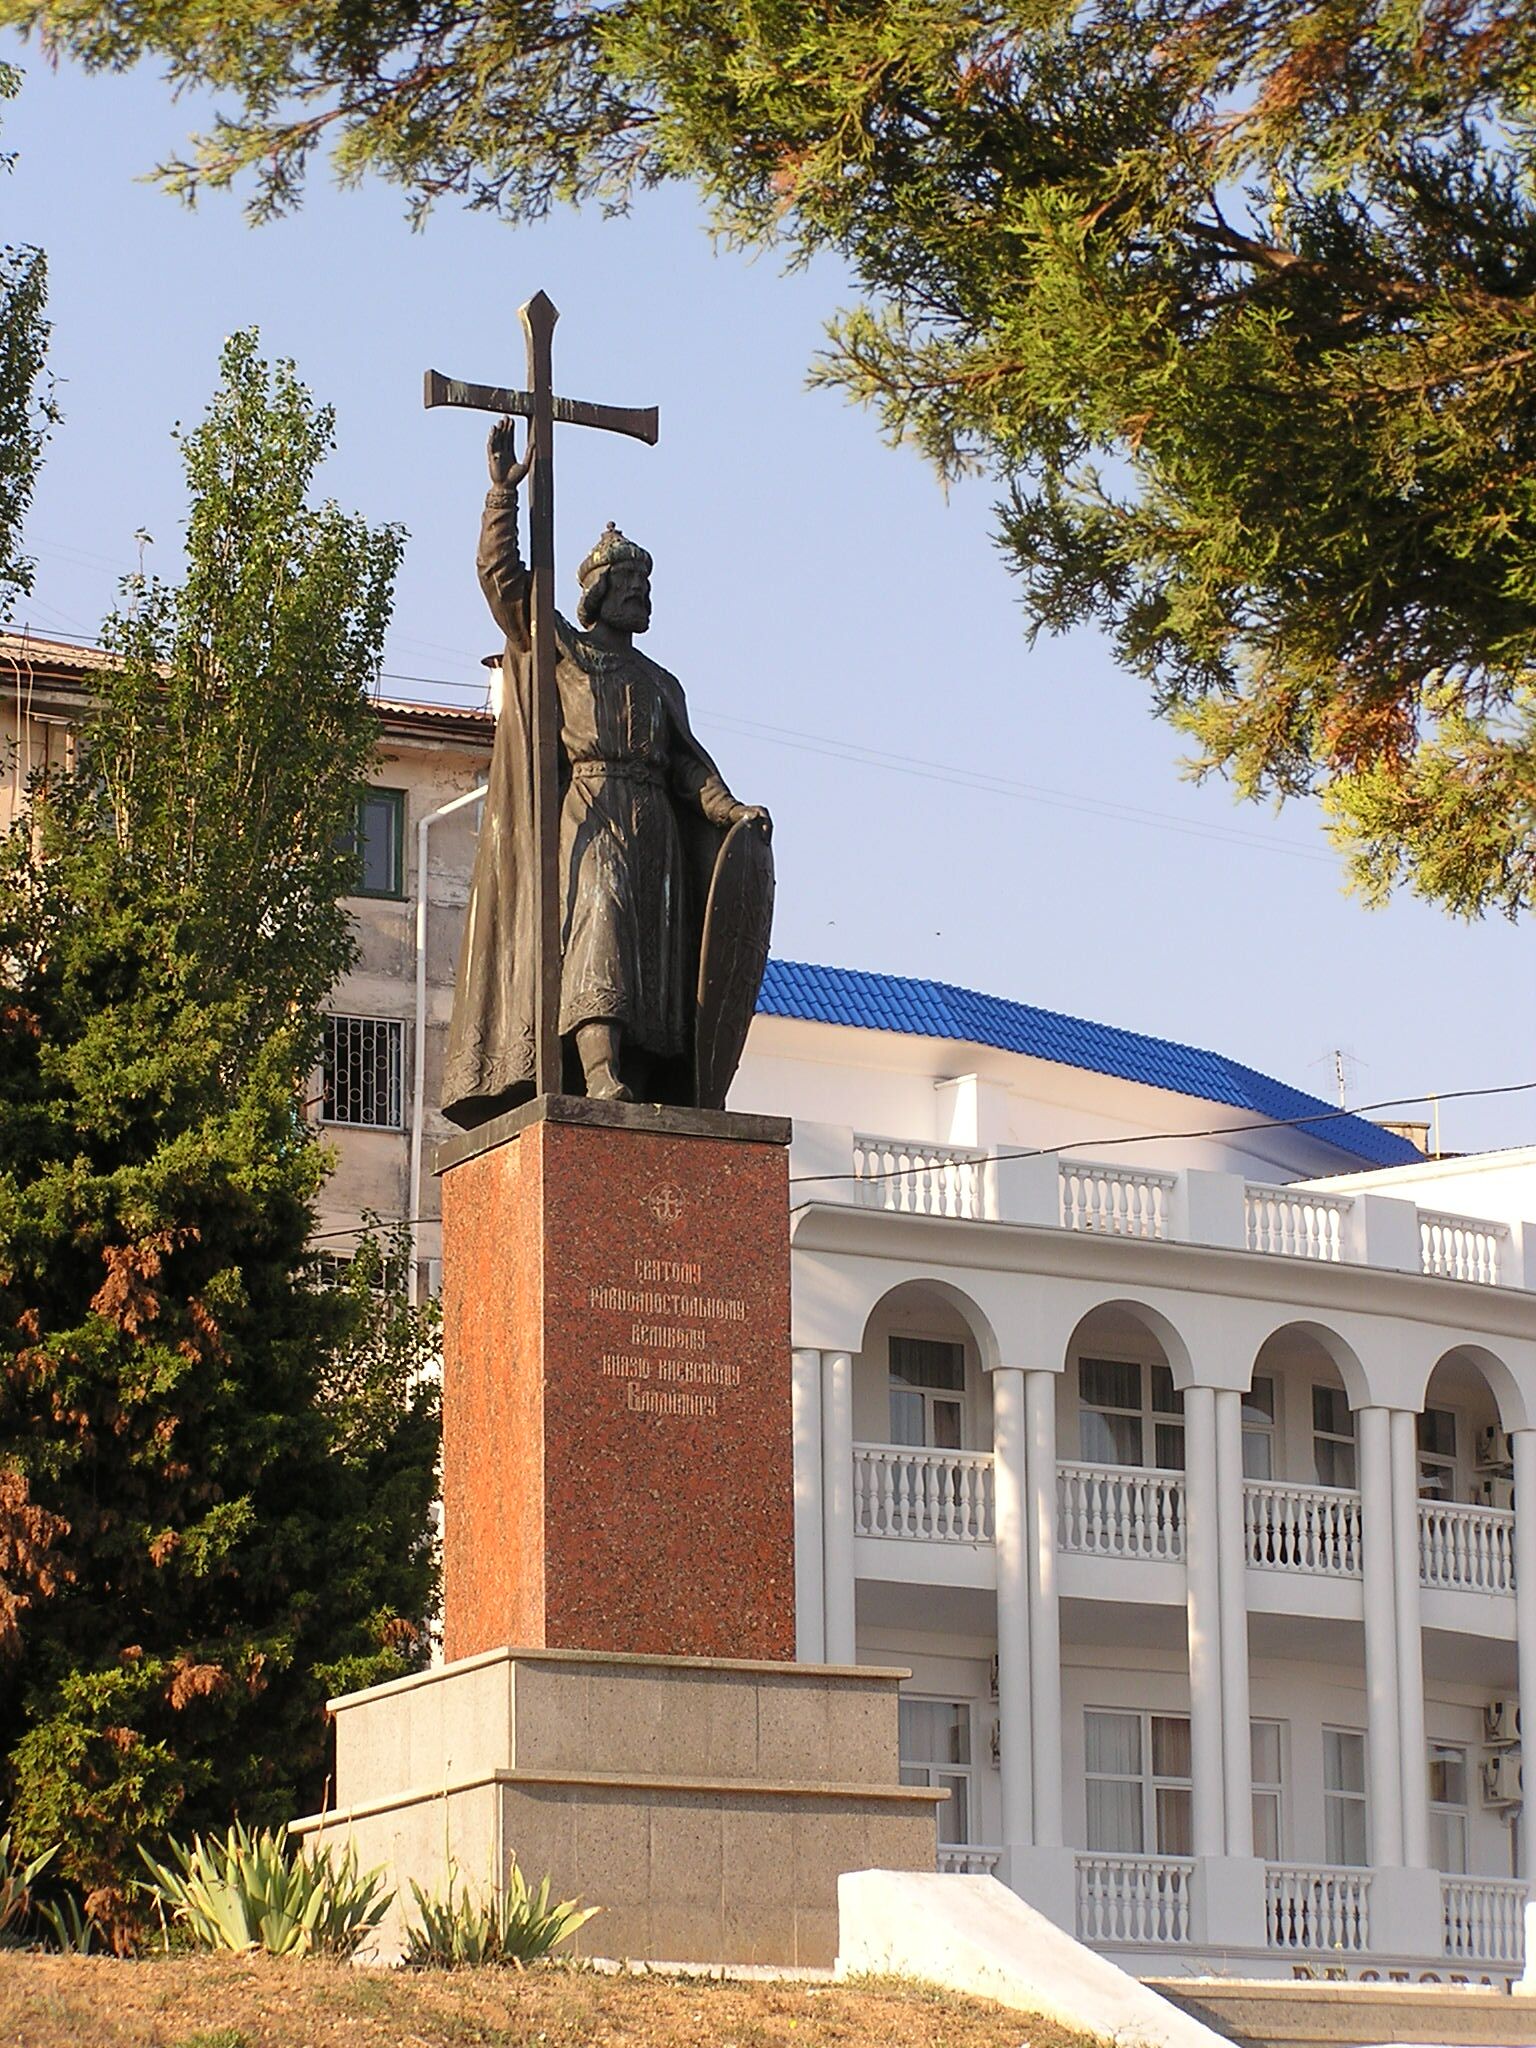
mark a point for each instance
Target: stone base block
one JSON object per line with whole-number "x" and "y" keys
{"x": 707, "y": 1807}
{"x": 618, "y": 1469}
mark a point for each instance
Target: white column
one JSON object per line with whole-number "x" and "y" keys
{"x": 810, "y": 1581}
{"x": 1044, "y": 1608}
{"x": 1236, "y": 1745}
{"x": 1010, "y": 1518}
{"x": 1410, "y": 1641}
{"x": 1524, "y": 1444}
{"x": 1383, "y": 1736}
{"x": 1203, "y": 1583}
{"x": 837, "y": 1503}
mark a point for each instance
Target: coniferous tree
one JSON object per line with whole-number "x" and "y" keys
{"x": 1237, "y": 302}
{"x": 221, "y": 1472}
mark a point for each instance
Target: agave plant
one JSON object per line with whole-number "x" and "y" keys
{"x": 462, "y": 1929}
{"x": 16, "y": 1882}
{"x": 256, "y": 1891}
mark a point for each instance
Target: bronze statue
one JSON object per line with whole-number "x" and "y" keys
{"x": 663, "y": 881}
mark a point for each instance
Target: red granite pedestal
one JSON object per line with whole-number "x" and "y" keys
{"x": 617, "y": 1459}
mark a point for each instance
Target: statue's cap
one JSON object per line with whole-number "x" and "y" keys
{"x": 612, "y": 548}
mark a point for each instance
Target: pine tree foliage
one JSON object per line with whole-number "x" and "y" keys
{"x": 1236, "y": 300}
{"x": 217, "y": 1515}
{"x": 26, "y": 402}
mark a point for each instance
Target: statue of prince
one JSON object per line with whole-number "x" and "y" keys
{"x": 666, "y": 881}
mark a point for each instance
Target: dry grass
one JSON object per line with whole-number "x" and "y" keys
{"x": 234, "y": 2002}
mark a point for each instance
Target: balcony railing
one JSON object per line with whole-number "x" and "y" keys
{"x": 1142, "y": 1901}
{"x": 1295, "y": 1223}
{"x": 1484, "y": 1918}
{"x": 968, "y": 1859}
{"x": 925, "y": 1495}
{"x": 1008, "y": 1184}
{"x": 1302, "y": 1528}
{"x": 1120, "y": 1511}
{"x": 1462, "y": 1247}
{"x": 1466, "y": 1549}
{"x": 1312, "y": 1906}
{"x": 1115, "y": 1199}
{"x": 917, "y": 1180}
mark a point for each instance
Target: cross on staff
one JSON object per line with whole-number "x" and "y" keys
{"x": 542, "y": 409}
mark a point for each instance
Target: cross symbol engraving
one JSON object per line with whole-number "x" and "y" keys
{"x": 542, "y": 409}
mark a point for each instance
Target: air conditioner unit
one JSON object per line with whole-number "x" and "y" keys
{"x": 1501, "y": 1779}
{"x": 1494, "y": 1493}
{"x": 1501, "y": 1723}
{"x": 1493, "y": 1449}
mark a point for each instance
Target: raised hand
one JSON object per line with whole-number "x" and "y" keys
{"x": 501, "y": 455}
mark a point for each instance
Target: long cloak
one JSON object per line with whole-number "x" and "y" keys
{"x": 490, "y": 1061}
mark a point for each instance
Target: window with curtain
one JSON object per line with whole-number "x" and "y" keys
{"x": 1344, "y": 1815}
{"x": 935, "y": 1744}
{"x": 1268, "y": 1789}
{"x": 1333, "y": 1437}
{"x": 927, "y": 1392}
{"x": 1137, "y": 1769}
{"x": 1259, "y": 1429}
{"x": 1448, "y": 1807}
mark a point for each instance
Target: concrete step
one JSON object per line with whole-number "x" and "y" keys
{"x": 1274, "y": 2014}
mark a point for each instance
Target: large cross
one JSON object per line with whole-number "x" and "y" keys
{"x": 541, "y": 409}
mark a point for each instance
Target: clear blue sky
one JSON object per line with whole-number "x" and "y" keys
{"x": 819, "y": 597}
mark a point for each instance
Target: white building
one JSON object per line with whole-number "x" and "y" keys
{"x": 1180, "y": 1474}
{"x": 1166, "y": 1424}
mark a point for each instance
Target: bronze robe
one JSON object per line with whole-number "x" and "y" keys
{"x": 643, "y": 810}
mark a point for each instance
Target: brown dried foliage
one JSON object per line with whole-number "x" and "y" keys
{"x": 29, "y": 1569}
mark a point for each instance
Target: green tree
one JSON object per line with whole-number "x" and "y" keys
{"x": 26, "y": 405}
{"x": 215, "y": 1512}
{"x": 1236, "y": 300}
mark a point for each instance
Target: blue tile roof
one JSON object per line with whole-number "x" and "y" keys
{"x": 936, "y": 1009}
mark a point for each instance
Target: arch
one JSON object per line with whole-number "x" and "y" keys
{"x": 974, "y": 1317}
{"x": 1338, "y": 1350}
{"x": 1509, "y": 1396}
{"x": 1174, "y": 1349}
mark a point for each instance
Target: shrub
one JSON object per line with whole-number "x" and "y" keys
{"x": 462, "y": 1929}
{"x": 254, "y": 1891}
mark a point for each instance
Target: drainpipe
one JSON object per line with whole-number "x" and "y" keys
{"x": 419, "y": 1063}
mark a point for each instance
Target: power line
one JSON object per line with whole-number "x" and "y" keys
{"x": 1322, "y": 1115}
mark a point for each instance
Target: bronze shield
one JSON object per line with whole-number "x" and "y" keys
{"x": 738, "y": 919}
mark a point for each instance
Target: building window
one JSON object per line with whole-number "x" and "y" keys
{"x": 1437, "y": 1457}
{"x": 935, "y": 1741}
{"x": 1344, "y": 1796}
{"x": 1259, "y": 1429}
{"x": 1123, "y": 1407}
{"x": 1333, "y": 1437}
{"x": 377, "y": 840}
{"x": 1268, "y": 1787}
{"x": 1448, "y": 1808}
{"x": 1138, "y": 1783}
{"x": 927, "y": 1392}
{"x": 363, "y": 1072}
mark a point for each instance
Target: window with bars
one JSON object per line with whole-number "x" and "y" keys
{"x": 363, "y": 1072}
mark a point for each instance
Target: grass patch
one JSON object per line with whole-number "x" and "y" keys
{"x": 260, "y": 2002}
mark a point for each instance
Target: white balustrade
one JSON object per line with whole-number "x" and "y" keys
{"x": 1484, "y": 1918}
{"x": 1462, "y": 1247}
{"x": 1295, "y": 1223}
{"x": 1311, "y": 1906}
{"x": 1466, "y": 1549}
{"x": 1118, "y": 1200}
{"x": 966, "y": 1859}
{"x": 917, "y": 1180}
{"x": 1120, "y": 1511}
{"x": 1137, "y": 1900}
{"x": 1302, "y": 1528}
{"x": 927, "y": 1495}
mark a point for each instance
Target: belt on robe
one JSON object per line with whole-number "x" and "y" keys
{"x": 618, "y": 771}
